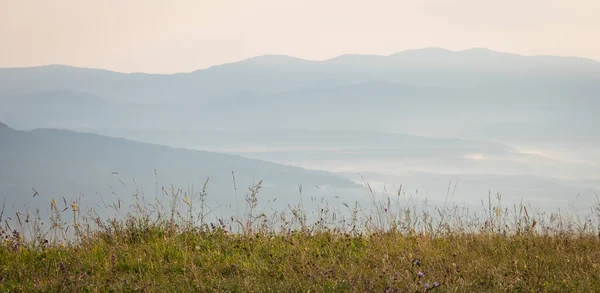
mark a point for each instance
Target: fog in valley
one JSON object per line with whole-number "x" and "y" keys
{"x": 434, "y": 124}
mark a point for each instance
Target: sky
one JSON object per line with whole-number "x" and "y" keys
{"x": 159, "y": 36}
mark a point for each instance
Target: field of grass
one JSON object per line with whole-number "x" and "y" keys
{"x": 386, "y": 247}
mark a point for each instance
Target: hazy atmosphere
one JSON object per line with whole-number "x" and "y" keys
{"x": 489, "y": 98}
{"x": 299, "y": 146}
{"x": 185, "y": 35}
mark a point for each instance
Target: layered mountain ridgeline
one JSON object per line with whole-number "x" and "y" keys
{"x": 305, "y": 139}
{"x": 430, "y": 91}
{"x": 431, "y": 110}
{"x": 415, "y": 162}
{"x": 272, "y": 74}
{"x": 60, "y": 163}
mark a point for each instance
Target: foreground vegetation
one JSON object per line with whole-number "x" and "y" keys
{"x": 384, "y": 248}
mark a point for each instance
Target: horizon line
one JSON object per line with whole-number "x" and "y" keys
{"x": 302, "y": 59}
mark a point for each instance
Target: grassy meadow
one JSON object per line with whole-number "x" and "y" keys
{"x": 388, "y": 246}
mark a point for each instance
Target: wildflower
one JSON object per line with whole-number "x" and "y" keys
{"x": 53, "y": 203}
{"x": 435, "y": 284}
{"x": 417, "y": 262}
{"x": 420, "y": 274}
{"x": 187, "y": 200}
{"x": 427, "y": 286}
{"x": 74, "y": 207}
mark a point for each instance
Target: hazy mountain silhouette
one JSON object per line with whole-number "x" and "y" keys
{"x": 477, "y": 94}
{"x": 354, "y": 106}
{"x": 4, "y": 127}
{"x": 307, "y": 140}
{"x": 271, "y": 74}
{"x": 59, "y": 163}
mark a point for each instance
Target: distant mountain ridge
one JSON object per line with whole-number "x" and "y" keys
{"x": 429, "y": 91}
{"x": 276, "y": 73}
{"x": 336, "y": 115}
{"x": 65, "y": 163}
{"x": 275, "y": 59}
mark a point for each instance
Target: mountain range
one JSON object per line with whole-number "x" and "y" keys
{"x": 477, "y": 93}
{"x": 61, "y": 163}
{"x": 427, "y": 110}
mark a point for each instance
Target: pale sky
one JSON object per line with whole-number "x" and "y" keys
{"x": 167, "y": 36}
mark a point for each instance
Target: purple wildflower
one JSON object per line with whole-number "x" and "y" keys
{"x": 427, "y": 286}
{"x": 420, "y": 274}
{"x": 435, "y": 284}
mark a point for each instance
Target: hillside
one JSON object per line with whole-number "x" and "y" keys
{"x": 448, "y": 114}
{"x": 59, "y": 163}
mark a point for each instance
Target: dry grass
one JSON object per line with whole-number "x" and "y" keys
{"x": 387, "y": 247}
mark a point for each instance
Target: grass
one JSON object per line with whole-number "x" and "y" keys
{"x": 390, "y": 246}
